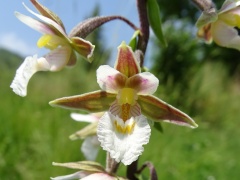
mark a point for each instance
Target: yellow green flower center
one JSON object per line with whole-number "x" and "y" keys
{"x": 48, "y": 41}
{"x": 126, "y": 99}
{"x": 125, "y": 129}
{"x": 127, "y": 96}
{"x": 231, "y": 19}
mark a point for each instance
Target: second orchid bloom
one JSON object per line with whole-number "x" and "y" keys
{"x": 127, "y": 98}
{"x": 222, "y": 26}
{"x": 62, "y": 47}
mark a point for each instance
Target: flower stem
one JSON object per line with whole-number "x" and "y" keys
{"x": 205, "y": 5}
{"x": 132, "y": 170}
{"x": 84, "y": 28}
{"x": 112, "y": 165}
{"x": 144, "y": 24}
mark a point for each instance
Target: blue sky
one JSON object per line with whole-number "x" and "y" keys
{"x": 18, "y": 37}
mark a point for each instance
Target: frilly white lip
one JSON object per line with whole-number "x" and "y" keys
{"x": 123, "y": 147}
{"x": 53, "y": 61}
{"x": 23, "y": 75}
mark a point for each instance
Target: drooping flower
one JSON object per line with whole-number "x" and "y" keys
{"x": 222, "y": 26}
{"x": 127, "y": 97}
{"x": 62, "y": 48}
{"x": 90, "y": 145}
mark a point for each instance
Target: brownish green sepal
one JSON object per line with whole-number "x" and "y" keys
{"x": 89, "y": 130}
{"x": 126, "y": 62}
{"x": 158, "y": 110}
{"x": 83, "y": 47}
{"x": 47, "y": 13}
{"x": 96, "y": 101}
{"x": 82, "y": 165}
{"x": 155, "y": 20}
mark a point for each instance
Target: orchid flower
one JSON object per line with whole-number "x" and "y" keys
{"x": 88, "y": 171}
{"x": 127, "y": 97}
{"x": 222, "y": 27}
{"x": 62, "y": 48}
{"x": 90, "y": 145}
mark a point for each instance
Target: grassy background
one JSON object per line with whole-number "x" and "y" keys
{"x": 33, "y": 134}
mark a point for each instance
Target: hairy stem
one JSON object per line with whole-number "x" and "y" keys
{"x": 205, "y": 5}
{"x": 84, "y": 28}
{"x": 144, "y": 25}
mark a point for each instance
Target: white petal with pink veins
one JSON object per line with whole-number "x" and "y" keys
{"x": 109, "y": 79}
{"x": 144, "y": 83}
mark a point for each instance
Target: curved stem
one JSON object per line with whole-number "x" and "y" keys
{"x": 84, "y": 28}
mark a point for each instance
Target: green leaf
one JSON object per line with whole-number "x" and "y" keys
{"x": 133, "y": 41}
{"x": 155, "y": 20}
{"x": 158, "y": 126}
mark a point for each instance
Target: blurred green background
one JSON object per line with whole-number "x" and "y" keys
{"x": 201, "y": 80}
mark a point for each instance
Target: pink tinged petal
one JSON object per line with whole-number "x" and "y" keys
{"x": 83, "y": 47}
{"x": 225, "y": 35}
{"x": 84, "y": 117}
{"x": 52, "y": 24}
{"x": 99, "y": 176}
{"x": 90, "y": 148}
{"x": 144, "y": 83}
{"x": 158, "y": 110}
{"x": 76, "y": 175}
{"x": 56, "y": 59}
{"x": 35, "y": 24}
{"x": 229, "y": 5}
{"x": 126, "y": 62}
{"x": 47, "y": 13}
{"x": 116, "y": 109}
{"x": 109, "y": 79}
{"x": 96, "y": 101}
{"x": 124, "y": 147}
{"x": 24, "y": 73}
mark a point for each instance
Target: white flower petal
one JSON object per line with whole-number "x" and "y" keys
{"x": 144, "y": 83}
{"x": 85, "y": 117}
{"x": 123, "y": 147}
{"x": 90, "y": 148}
{"x": 109, "y": 79}
{"x": 225, "y": 35}
{"x": 229, "y": 5}
{"x": 77, "y": 175}
{"x": 48, "y": 21}
{"x": 33, "y": 23}
{"x": 24, "y": 73}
